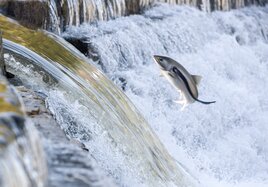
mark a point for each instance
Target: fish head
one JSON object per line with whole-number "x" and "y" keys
{"x": 165, "y": 63}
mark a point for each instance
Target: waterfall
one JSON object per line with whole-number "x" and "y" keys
{"x": 90, "y": 108}
{"x": 223, "y": 144}
{"x": 72, "y": 12}
{"x": 56, "y": 15}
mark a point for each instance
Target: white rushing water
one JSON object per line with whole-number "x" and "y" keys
{"x": 92, "y": 110}
{"x": 223, "y": 144}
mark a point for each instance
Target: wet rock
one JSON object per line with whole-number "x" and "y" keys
{"x": 122, "y": 82}
{"x": 32, "y": 14}
{"x": 80, "y": 44}
{"x": 69, "y": 163}
{"x": 34, "y": 106}
{"x": 21, "y": 156}
{"x": 86, "y": 47}
{"x": 2, "y": 61}
{"x": 11, "y": 114}
{"x": 133, "y": 8}
{"x": 56, "y": 15}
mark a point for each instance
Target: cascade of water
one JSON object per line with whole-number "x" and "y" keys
{"x": 90, "y": 108}
{"x": 77, "y": 12}
{"x": 53, "y": 17}
{"x": 227, "y": 140}
{"x": 56, "y": 15}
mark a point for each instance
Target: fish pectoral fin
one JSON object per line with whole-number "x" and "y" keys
{"x": 197, "y": 79}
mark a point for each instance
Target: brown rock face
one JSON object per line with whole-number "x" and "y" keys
{"x": 32, "y": 13}
{"x": 55, "y": 15}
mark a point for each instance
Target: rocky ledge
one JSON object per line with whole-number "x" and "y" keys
{"x": 55, "y": 15}
{"x": 68, "y": 160}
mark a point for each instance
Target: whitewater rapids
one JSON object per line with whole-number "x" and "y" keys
{"x": 224, "y": 144}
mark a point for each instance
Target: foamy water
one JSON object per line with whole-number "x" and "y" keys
{"x": 91, "y": 109}
{"x": 224, "y": 144}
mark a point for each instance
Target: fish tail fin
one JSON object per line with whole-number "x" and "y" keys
{"x": 206, "y": 102}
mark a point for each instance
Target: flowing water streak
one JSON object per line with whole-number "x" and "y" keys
{"x": 73, "y": 12}
{"x": 53, "y": 15}
{"x": 105, "y": 103}
{"x": 64, "y": 13}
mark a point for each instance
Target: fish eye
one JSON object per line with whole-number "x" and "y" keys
{"x": 161, "y": 59}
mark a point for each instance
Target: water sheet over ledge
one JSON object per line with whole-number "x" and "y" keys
{"x": 128, "y": 138}
{"x": 55, "y": 15}
{"x": 224, "y": 144}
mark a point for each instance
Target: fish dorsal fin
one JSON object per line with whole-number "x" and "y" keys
{"x": 197, "y": 79}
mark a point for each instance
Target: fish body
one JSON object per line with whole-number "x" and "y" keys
{"x": 180, "y": 79}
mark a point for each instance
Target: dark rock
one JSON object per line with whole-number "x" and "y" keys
{"x": 133, "y": 8}
{"x": 9, "y": 75}
{"x": 11, "y": 114}
{"x": 69, "y": 162}
{"x": 123, "y": 83}
{"x": 32, "y": 14}
{"x": 40, "y": 14}
{"x": 85, "y": 47}
{"x": 2, "y": 61}
{"x": 18, "y": 140}
{"x": 79, "y": 44}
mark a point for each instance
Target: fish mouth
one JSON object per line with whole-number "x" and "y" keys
{"x": 157, "y": 57}
{"x": 158, "y": 62}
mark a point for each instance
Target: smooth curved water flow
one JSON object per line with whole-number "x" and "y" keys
{"x": 90, "y": 108}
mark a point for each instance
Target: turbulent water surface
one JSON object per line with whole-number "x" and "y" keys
{"x": 224, "y": 144}
{"x": 91, "y": 109}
